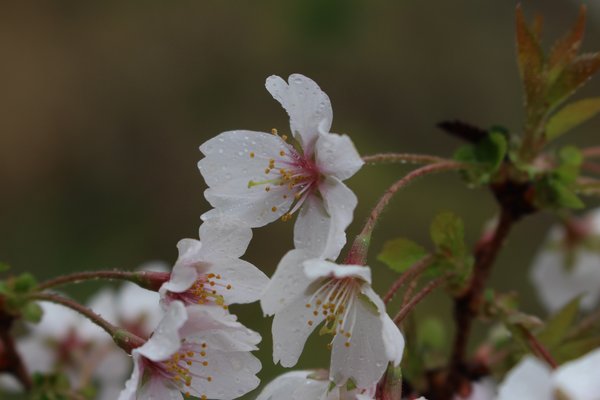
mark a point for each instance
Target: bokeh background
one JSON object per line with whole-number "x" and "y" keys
{"x": 103, "y": 106}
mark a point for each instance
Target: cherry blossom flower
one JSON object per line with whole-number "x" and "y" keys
{"x": 365, "y": 338}
{"x": 64, "y": 341}
{"x": 198, "y": 351}
{"x": 568, "y": 265}
{"x": 311, "y": 385}
{"x": 259, "y": 177}
{"x": 210, "y": 271}
{"x": 531, "y": 379}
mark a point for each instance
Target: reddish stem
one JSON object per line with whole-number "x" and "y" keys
{"x": 539, "y": 349}
{"x": 404, "y": 311}
{"x": 147, "y": 279}
{"x": 124, "y": 339}
{"x": 589, "y": 152}
{"x": 403, "y": 158}
{"x": 415, "y": 270}
{"x": 11, "y": 359}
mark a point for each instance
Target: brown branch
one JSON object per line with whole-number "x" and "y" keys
{"x": 467, "y": 305}
{"x": 415, "y": 270}
{"x": 148, "y": 279}
{"x": 402, "y": 158}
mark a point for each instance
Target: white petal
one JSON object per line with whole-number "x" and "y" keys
{"x": 316, "y": 269}
{"x": 182, "y": 278}
{"x": 557, "y": 285}
{"x": 287, "y": 283}
{"x": 156, "y": 387}
{"x": 166, "y": 339}
{"x": 337, "y": 156}
{"x": 131, "y": 386}
{"x": 528, "y": 380}
{"x": 366, "y": 359}
{"x": 340, "y": 203}
{"x": 579, "y": 379}
{"x": 312, "y": 229}
{"x": 392, "y": 339}
{"x": 104, "y": 304}
{"x": 224, "y": 237}
{"x": 227, "y": 170}
{"x": 307, "y": 105}
{"x": 219, "y": 329}
{"x": 233, "y": 375}
{"x": 291, "y": 328}
{"x": 247, "y": 282}
{"x": 139, "y": 306}
{"x": 36, "y": 354}
{"x": 295, "y": 385}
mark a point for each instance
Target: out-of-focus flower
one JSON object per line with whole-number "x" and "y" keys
{"x": 531, "y": 379}
{"x": 484, "y": 389}
{"x": 64, "y": 341}
{"x": 198, "y": 351}
{"x": 568, "y": 265}
{"x": 365, "y": 338}
{"x": 259, "y": 177}
{"x": 210, "y": 271}
{"x": 310, "y": 385}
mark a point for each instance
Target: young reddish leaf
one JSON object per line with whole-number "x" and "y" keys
{"x": 571, "y": 116}
{"x": 573, "y": 77}
{"x": 565, "y": 50}
{"x": 536, "y": 27}
{"x": 530, "y": 57}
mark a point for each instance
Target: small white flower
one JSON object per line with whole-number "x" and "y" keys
{"x": 259, "y": 177}
{"x": 568, "y": 266}
{"x": 198, "y": 351}
{"x": 310, "y": 385}
{"x": 365, "y": 338}
{"x": 484, "y": 389}
{"x": 209, "y": 271}
{"x": 531, "y": 379}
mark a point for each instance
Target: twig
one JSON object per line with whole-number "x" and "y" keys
{"x": 415, "y": 269}
{"x": 403, "y": 158}
{"x": 420, "y": 296}
{"x": 148, "y": 279}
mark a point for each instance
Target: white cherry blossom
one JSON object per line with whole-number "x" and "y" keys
{"x": 259, "y": 177}
{"x": 568, "y": 265}
{"x": 209, "y": 271}
{"x": 311, "y": 385}
{"x": 315, "y": 291}
{"x": 197, "y": 351}
{"x": 532, "y": 379}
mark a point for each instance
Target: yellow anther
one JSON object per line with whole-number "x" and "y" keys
{"x": 284, "y": 137}
{"x": 282, "y": 153}
{"x": 273, "y": 208}
{"x": 347, "y": 344}
{"x": 267, "y": 189}
{"x": 307, "y": 305}
{"x": 228, "y": 287}
{"x": 274, "y": 131}
{"x": 205, "y": 363}
{"x": 209, "y": 378}
{"x": 251, "y": 154}
{"x": 310, "y": 323}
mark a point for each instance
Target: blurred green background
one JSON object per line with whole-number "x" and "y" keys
{"x": 104, "y": 104}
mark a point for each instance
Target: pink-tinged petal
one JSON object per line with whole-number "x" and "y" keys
{"x": 287, "y": 283}
{"x": 529, "y": 380}
{"x": 233, "y": 160}
{"x": 156, "y": 387}
{"x": 337, "y": 156}
{"x": 182, "y": 278}
{"x": 224, "y": 237}
{"x": 241, "y": 282}
{"x": 312, "y": 227}
{"x": 340, "y": 203}
{"x": 130, "y": 391}
{"x": 291, "y": 327}
{"x": 316, "y": 269}
{"x": 307, "y": 105}
{"x": 166, "y": 339}
{"x": 139, "y": 306}
{"x": 579, "y": 379}
{"x": 365, "y": 359}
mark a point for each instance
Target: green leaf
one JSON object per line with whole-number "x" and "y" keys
{"x": 575, "y": 349}
{"x": 399, "y": 254}
{"x": 4, "y": 267}
{"x": 24, "y": 283}
{"x": 552, "y": 193}
{"x": 487, "y": 155}
{"x": 558, "y": 326}
{"x": 570, "y": 159}
{"x": 571, "y": 116}
{"x": 431, "y": 334}
{"x": 32, "y": 312}
{"x": 447, "y": 233}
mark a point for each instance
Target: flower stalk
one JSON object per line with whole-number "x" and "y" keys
{"x": 147, "y": 279}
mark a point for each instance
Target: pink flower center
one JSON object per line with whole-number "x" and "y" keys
{"x": 183, "y": 368}
{"x": 292, "y": 175}
{"x": 207, "y": 289}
